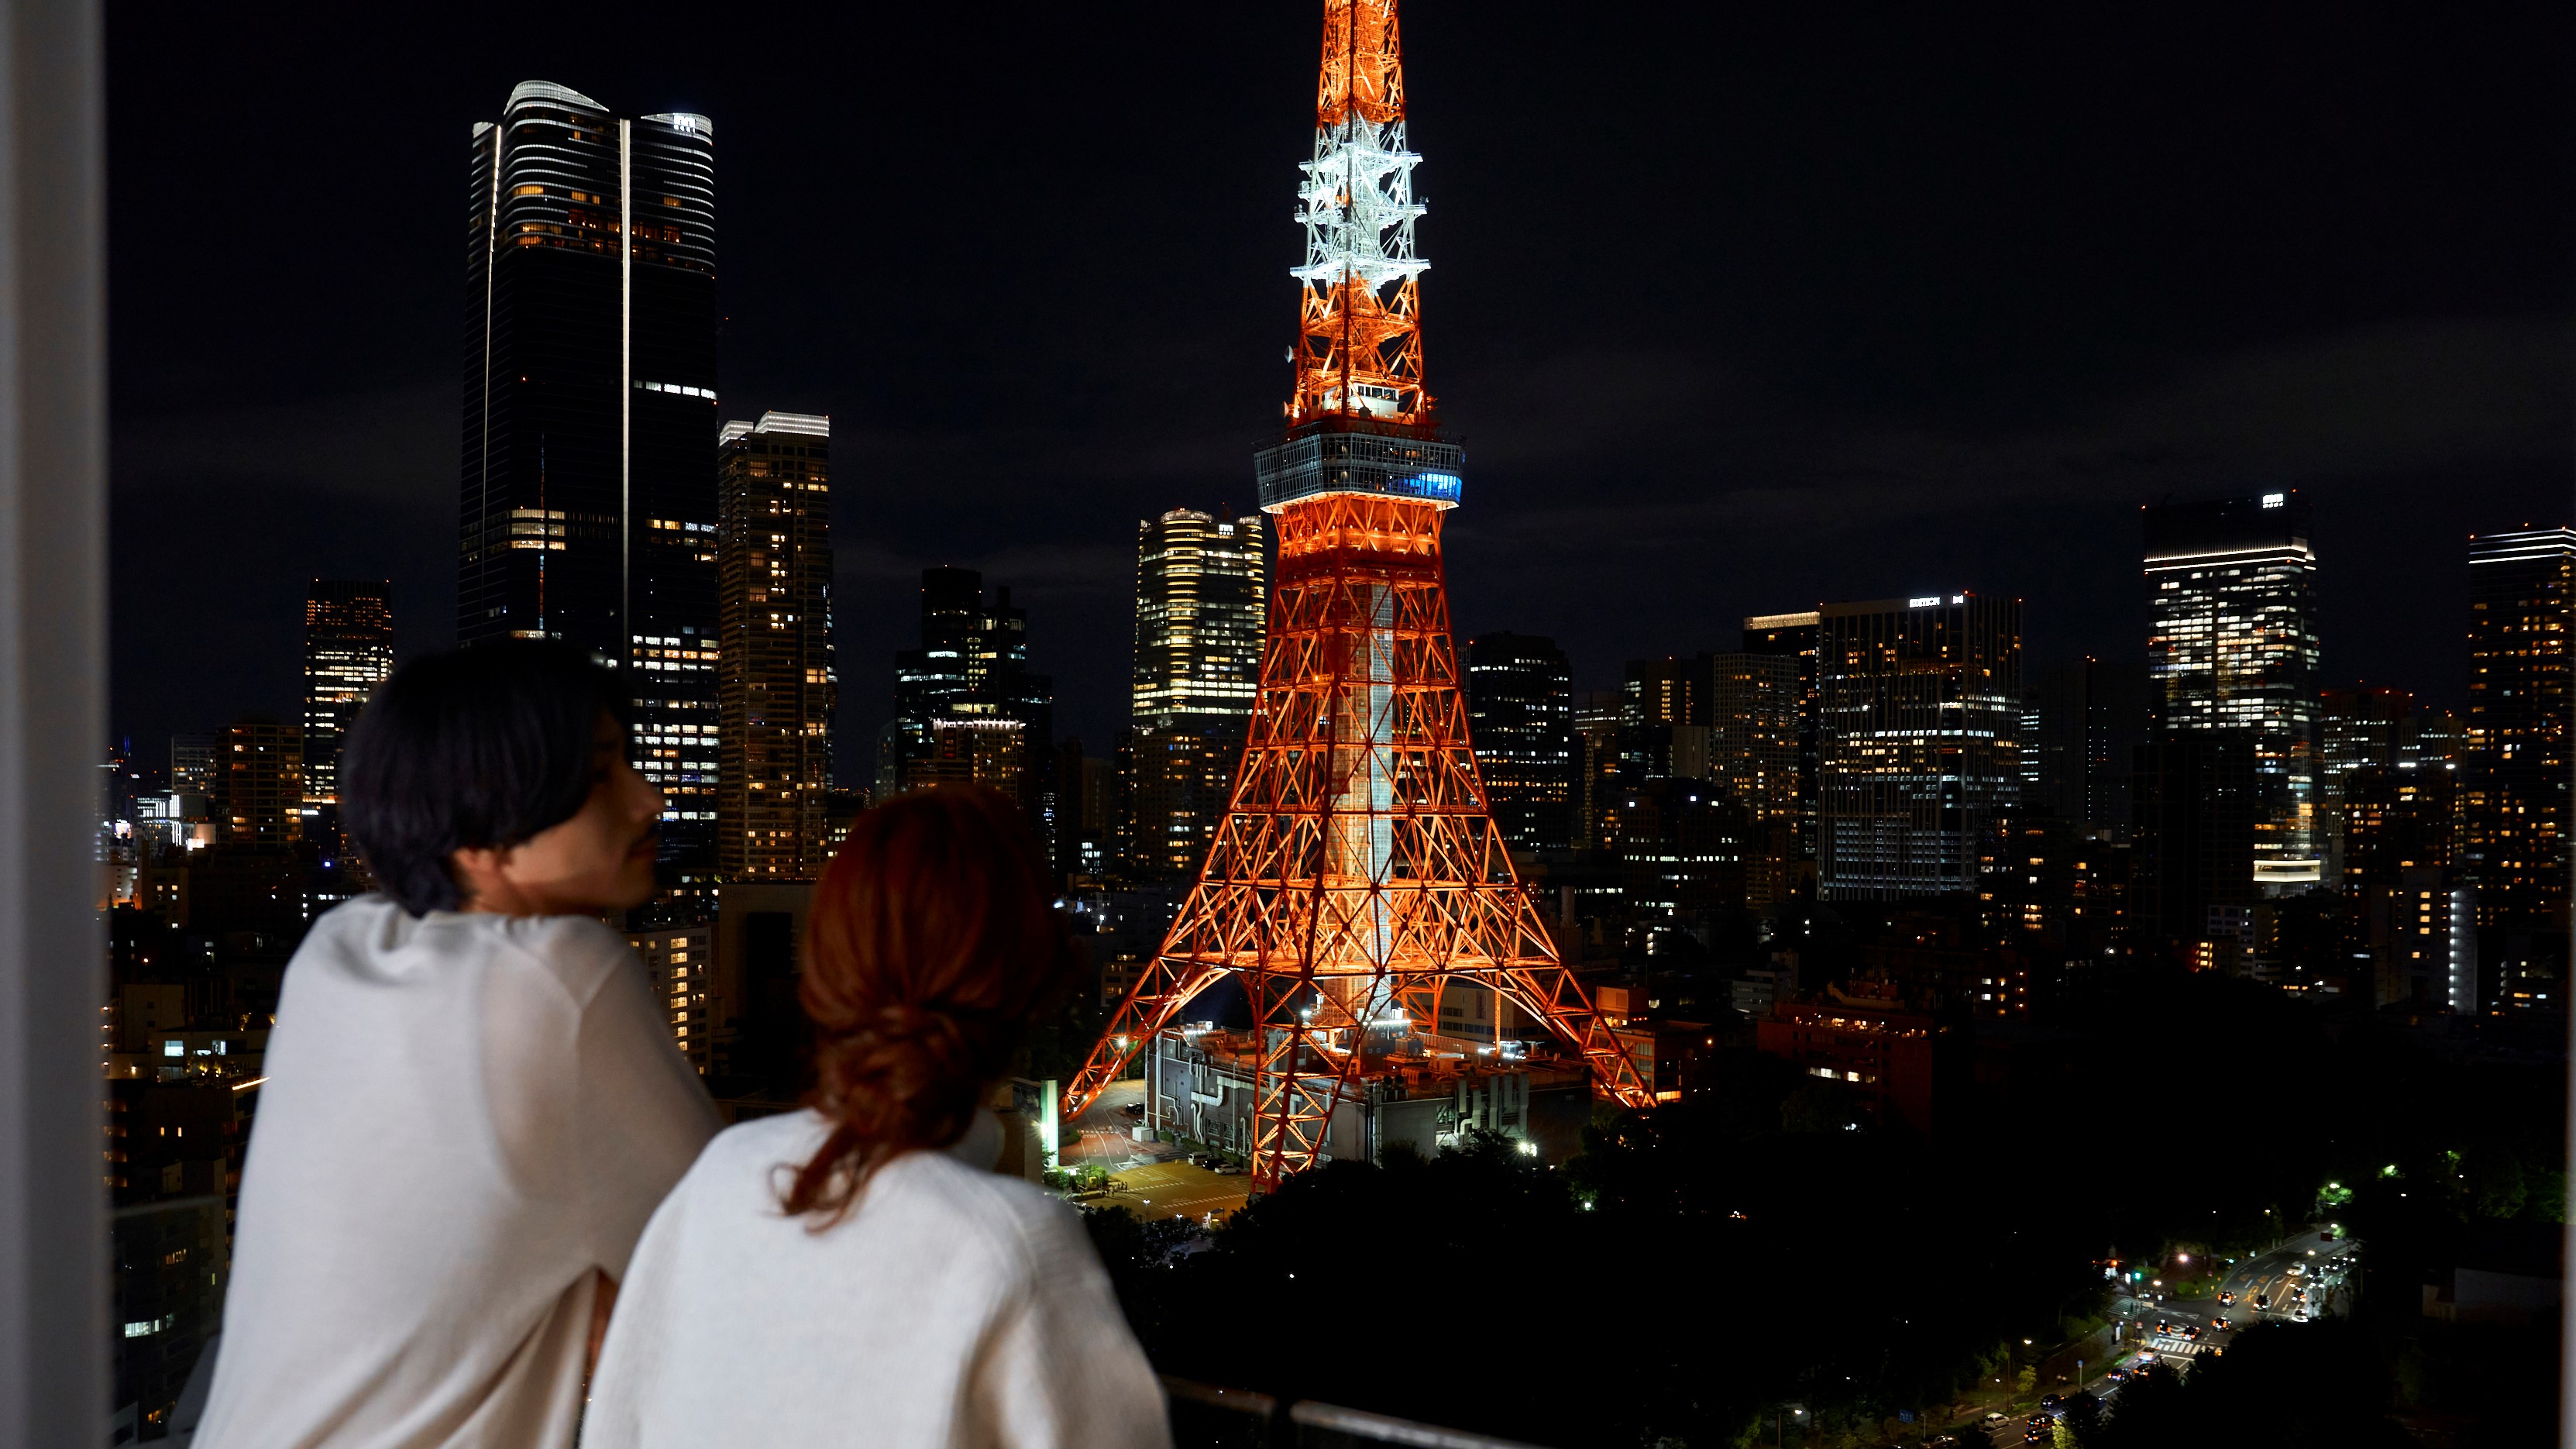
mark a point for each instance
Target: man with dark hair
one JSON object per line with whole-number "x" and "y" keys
{"x": 473, "y": 1101}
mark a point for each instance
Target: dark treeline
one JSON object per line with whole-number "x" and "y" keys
{"x": 1757, "y": 1246}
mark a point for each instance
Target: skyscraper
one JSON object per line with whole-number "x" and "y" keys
{"x": 259, "y": 783}
{"x": 348, "y": 651}
{"x": 192, "y": 764}
{"x": 972, "y": 665}
{"x": 1753, "y": 726}
{"x": 1201, "y": 601}
{"x": 2357, "y": 730}
{"x": 1919, "y": 708}
{"x": 1199, "y": 606}
{"x": 775, "y": 686}
{"x": 1598, "y": 726}
{"x": 2522, "y": 710}
{"x": 589, "y": 482}
{"x": 1664, "y": 722}
{"x": 1520, "y": 719}
{"x": 2082, "y": 722}
{"x": 1793, "y": 636}
{"x": 2232, "y": 646}
{"x": 2193, "y": 811}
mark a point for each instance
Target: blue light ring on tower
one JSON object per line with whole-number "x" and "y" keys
{"x": 1395, "y": 462}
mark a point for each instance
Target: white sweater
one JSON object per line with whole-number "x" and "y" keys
{"x": 950, "y": 1306}
{"x": 466, "y": 1118}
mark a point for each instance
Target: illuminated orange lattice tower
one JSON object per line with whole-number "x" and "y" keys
{"x": 1357, "y": 875}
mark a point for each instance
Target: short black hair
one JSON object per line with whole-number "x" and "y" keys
{"x": 480, "y": 747}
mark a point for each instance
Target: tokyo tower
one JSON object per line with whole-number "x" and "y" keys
{"x": 1357, "y": 875}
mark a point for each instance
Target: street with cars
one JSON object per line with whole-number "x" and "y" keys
{"x": 2309, "y": 1275}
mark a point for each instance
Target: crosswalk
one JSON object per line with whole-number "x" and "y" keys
{"x": 2174, "y": 1343}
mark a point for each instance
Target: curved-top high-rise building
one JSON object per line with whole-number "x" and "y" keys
{"x": 588, "y": 499}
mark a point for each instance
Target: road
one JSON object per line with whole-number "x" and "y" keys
{"x": 2322, "y": 1272}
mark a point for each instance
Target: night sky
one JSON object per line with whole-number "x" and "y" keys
{"x": 1733, "y": 314}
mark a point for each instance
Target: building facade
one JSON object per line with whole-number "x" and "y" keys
{"x": 680, "y": 962}
{"x": 2081, "y": 722}
{"x": 1520, "y": 720}
{"x": 2522, "y": 709}
{"x": 2196, "y": 799}
{"x": 348, "y": 652}
{"x": 1201, "y": 599}
{"x": 972, "y": 666}
{"x": 259, "y": 783}
{"x": 1793, "y": 637}
{"x": 775, "y": 683}
{"x": 1753, "y": 733}
{"x": 1919, "y": 713}
{"x": 1202, "y": 605}
{"x": 589, "y": 491}
{"x": 2232, "y": 646}
{"x": 1599, "y": 724}
{"x": 2366, "y": 729}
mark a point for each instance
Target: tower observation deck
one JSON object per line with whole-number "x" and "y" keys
{"x": 1358, "y": 876}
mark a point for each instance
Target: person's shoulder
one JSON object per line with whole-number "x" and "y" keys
{"x": 1005, "y": 1215}
{"x": 756, "y": 1150}
{"x": 369, "y": 936}
{"x": 580, "y": 952}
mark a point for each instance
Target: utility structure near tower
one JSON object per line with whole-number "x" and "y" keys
{"x": 1358, "y": 875}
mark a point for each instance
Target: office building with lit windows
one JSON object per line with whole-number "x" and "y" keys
{"x": 2232, "y": 647}
{"x": 2367, "y": 729}
{"x": 973, "y": 665}
{"x": 348, "y": 651}
{"x": 1753, "y": 725}
{"x": 588, "y": 498}
{"x": 775, "y": 685}
{"x": 2522, "y": 710}
{"x": 1919, "y": 712}
{"x": 1599, "y": 724}
{"x": 258, "y": 784}
{"x": 679, "y": 961}
{"x": 1201, "y": 602}
{"x": 1793, "y": 637}
{"x": 1520, "y": 721}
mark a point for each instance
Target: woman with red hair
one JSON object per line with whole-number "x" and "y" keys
{"x": 856, "y": 1273}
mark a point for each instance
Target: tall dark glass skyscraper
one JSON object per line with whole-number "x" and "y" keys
{"x": 2082, "y": 721}
{"x": 589, "y": 487}
{"x": 1520, "y": 721}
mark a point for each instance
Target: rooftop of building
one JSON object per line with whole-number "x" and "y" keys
{"x": 1420, "y": 1065}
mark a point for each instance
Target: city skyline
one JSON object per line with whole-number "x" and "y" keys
{"x": 2005, "y": 582}
{"x": 1941, "y": 456}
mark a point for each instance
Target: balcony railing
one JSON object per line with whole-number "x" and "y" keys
{"x": 1206, "y": 1417}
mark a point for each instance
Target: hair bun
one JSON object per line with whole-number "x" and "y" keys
{"x": 930, "y": 942}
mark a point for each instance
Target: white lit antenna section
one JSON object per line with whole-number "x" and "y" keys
{"x": 1357, "y": 205}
